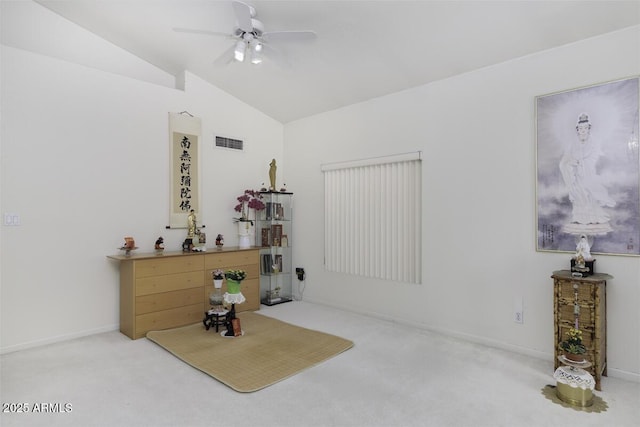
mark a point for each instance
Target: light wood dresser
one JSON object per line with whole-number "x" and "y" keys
{"x": 171, "y": 289}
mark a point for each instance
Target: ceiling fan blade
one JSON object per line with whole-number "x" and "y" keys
{"x": 275, "y": 56}
{"x": 207, "y": 32}
{"x": 226, "y": 57}
{"x": 289, "y": 35}
{"x": 244, "y": 13}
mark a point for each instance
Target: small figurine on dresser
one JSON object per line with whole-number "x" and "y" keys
{"x": 582, "y": 262}
{"x": 219, "y": 241}
{"x": 192, "y": 230}
{"x": 159, "y": 246}
{"x": 191, "y": 224}
{"x": 129, "y": 245}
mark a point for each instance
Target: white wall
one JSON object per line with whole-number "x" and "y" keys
{"x": 476, "y": 132}
{"x": 85, "y": 161}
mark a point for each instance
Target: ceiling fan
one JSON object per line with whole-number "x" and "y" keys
{"x": 251, "y": 41}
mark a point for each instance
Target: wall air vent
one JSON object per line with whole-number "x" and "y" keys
{"x": 234, "y": 144}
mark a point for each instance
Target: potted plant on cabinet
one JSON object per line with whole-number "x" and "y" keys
{"x": 573, "y": 347}
{"x": 250, "y": 199}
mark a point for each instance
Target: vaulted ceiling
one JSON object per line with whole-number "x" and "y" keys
{"x": 363, "y": 49}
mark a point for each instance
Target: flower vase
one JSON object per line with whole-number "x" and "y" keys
{"x": 245, "y": 230}
{"x": 233, "y": 286}
{"x": 216, "y": 298}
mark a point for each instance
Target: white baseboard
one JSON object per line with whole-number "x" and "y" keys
{"x": 612, "y": 372}
{"x": 59, "y": 338}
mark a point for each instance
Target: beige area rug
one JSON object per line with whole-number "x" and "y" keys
{"x": 269, "y": 351}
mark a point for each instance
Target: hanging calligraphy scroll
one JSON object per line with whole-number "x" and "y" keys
{"x": 184, "y": 137}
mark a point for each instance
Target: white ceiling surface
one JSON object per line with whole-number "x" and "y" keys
{"x": 364, "y": 49}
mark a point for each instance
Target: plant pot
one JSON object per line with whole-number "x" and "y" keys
{"x": 215, "y": 298}
{"x": 574, "y": 357}
{"x": 233, "y": 286}
{"x": 245, "y": 231}
{"x": 217, "y": 283}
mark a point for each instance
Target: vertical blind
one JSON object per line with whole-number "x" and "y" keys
{"x": 373, "y": 217}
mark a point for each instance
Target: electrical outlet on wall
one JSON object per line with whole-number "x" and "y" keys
{"x": 517, "y": 310}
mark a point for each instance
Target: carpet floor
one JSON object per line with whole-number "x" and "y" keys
{"x": 394, "y": 376}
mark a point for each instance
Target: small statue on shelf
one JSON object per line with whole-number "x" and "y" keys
{"x": 272, "y": 175}
{"x": 583, "y": 249}
{"x": 191, "y": 224}
{"x": 582, "y": 262}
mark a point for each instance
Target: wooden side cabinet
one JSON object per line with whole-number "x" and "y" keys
{"x": 589, "y": 294}
{"x": 171, "y": 289}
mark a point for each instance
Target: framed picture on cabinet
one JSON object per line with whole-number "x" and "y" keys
{"x": 276, "y": 234}
{"x": 588, "y": 168}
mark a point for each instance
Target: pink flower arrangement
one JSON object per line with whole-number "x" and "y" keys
{"x": 250, "y": 199}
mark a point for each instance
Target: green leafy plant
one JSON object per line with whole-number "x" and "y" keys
{"x": 237, "y": 275}
{"x": 573, "y": 343}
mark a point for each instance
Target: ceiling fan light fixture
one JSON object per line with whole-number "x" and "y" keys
{"x": 239, "y": 51}
{"x": 256, "y": 57}
{"x": 255, "y": 46}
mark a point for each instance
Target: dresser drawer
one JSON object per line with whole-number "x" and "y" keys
{"x": 169, "y": 319}
{"x": 170, "y": 282}
{"x": 167, "y": 300}
{"x": 586, "y": 291}
{"x": 170, "y": 265}
{"x": 586, "y": 317}
{"x": 225, "y": 260}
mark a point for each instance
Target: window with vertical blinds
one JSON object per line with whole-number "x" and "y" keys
{"x": 373, "y": 216}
